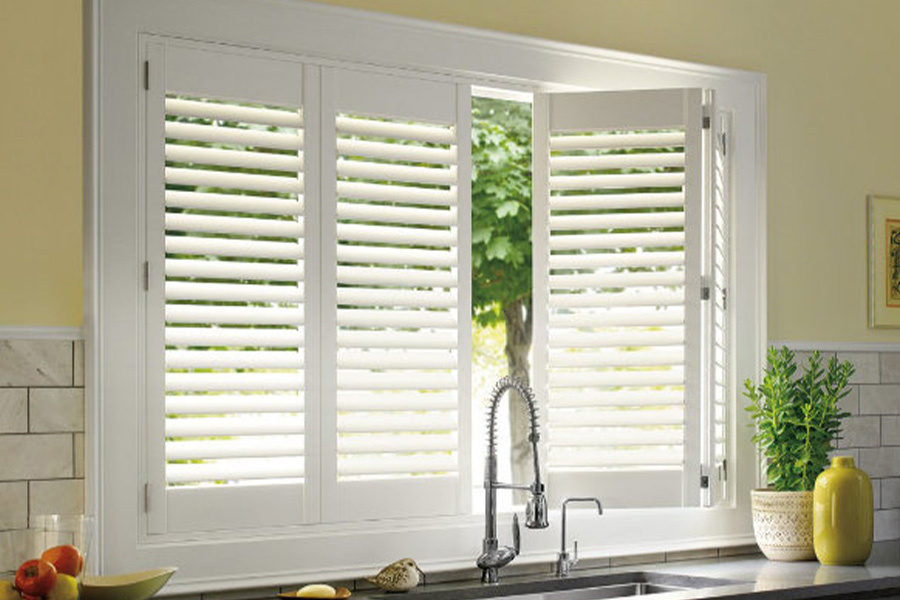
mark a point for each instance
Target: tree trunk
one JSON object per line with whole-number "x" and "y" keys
{"x": 518, "y": 317}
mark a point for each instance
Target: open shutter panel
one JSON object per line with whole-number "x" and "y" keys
{"x": 401, "y": 295}
{"x": 622, "y": 293}
{"x": 232, "y": 265}
{"x": 719, "y": 338}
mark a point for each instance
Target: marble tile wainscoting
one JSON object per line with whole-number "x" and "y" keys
{"x": 41, "y": 432}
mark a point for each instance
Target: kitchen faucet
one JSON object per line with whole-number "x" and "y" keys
{"x": 493, "y": 556}
{"x": 563, "y": 562}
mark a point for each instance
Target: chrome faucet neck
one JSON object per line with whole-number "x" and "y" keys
{"x": 494, "y": 556}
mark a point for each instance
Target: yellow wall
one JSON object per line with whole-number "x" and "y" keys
{"x": 834, "y": 132}
{"x": 40, "y": 162}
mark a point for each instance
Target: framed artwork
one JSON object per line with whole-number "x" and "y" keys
{"x": 884, "y": 261}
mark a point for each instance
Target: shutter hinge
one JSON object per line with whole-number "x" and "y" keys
{"x": 705, "y": 287}
{"x": 724, "y": 141}
{"x": 146, "y": 74}
{"x": 146, "y": 497}
{"x": 704, "y": 479}
{"x": 723, "y": 470}
{"x": 707, "y": 118}
{"x": 724, "y": 298}
{"x": 146, "y": 276}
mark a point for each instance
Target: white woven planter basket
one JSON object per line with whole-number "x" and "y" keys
{"x": 783, "y": 524}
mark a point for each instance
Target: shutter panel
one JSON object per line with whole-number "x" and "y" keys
{"x": 719, "y": 336}
{"x": 229, "y": 271}
{"x": 621, "y": 296}
{"x": 400, "y": 282}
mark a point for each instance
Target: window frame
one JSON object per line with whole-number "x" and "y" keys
{"x": 117, "y": 32}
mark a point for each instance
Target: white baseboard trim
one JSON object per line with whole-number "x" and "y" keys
{"x": 799, "y": 346}
{"x": 25, "y": 332}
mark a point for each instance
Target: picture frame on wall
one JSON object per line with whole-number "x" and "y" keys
{"x": 884, "y": 261}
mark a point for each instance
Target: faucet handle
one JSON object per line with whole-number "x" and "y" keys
{"x": 574, "y": 555}
{"x": 516, "y": 534}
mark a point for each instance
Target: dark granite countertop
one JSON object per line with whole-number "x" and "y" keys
{"x": 747, "y": 577}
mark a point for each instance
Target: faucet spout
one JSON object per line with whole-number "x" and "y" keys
{"x": 493, "y": 556}
{"x": 563, "y": 562}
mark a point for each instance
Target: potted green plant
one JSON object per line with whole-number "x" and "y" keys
{"x": 797, "y": 419}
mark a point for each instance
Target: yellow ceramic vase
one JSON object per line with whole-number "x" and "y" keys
{"x": 842, "y": 514}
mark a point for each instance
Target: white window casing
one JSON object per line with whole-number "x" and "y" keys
{"x": 299, "y": 340}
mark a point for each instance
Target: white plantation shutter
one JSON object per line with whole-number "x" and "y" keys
{"x": 718, "y": 337}
{"x": 226, "y": 267}
{"x": 400, "y": 285}
{"x": 619, "y": 287}
{"x": 315, "y": 379}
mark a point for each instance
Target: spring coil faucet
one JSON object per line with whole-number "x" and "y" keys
{"x": 493, "y": 556}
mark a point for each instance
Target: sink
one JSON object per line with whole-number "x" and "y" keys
{"x": 587, "y": 587}
{"x": 614, "y": 590}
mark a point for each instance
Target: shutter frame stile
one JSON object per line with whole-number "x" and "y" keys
{"x": 328, "y": 294}
{"x": 695, "y": 396}
{"x": 187, "y": 499}
{"x": 314, "y": 303}
{"x": 155, "y": 504}
{"x": 633, "y": 117}
{"x": 540, "y": 266}
{"x": 465, "y": 408}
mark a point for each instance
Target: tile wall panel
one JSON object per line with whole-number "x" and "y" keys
{"x": 872, "y": 434}
{"x": 41, "y": 431}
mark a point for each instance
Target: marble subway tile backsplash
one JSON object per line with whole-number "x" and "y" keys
{"x": 37, "y": 363}
{"x": 41, "y": 430}
{"x": 871, "y": 435}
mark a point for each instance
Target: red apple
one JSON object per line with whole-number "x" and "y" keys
{"x": 67, "y": 559}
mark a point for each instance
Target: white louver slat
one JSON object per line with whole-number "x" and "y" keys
{"x": 234, "y": 293}
{"x": 622, "y": 289}
{"x": 400, "y": 285}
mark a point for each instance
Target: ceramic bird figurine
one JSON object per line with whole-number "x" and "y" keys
{"x": 399, "y": 576}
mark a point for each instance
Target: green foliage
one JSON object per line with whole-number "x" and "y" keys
{"x": 501, "y": 206}
{"x": 797, "y": 417}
